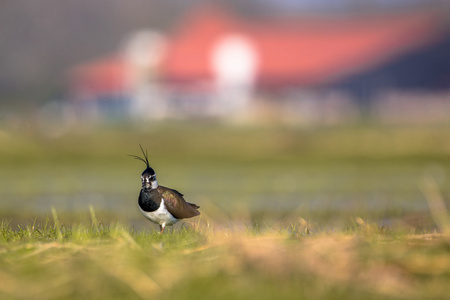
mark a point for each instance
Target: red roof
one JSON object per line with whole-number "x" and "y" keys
{"x": 307, "y": 51}
{"x": 101, "y": 76}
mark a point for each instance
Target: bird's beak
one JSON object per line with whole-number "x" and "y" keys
{"x": 145, "y": 181}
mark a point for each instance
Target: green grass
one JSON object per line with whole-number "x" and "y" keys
{"x": 324, "y": 174}
{"x": 357, "y": 212}
{"x": 51, "y": 261}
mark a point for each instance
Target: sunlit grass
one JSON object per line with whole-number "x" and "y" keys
{"x": 203, "y": 260}
{"x": 356, "y": 212}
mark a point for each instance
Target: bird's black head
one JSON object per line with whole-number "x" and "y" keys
{"x": 148, "y": 177}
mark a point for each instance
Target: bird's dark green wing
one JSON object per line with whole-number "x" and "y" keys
{"x": 176, "y": 204}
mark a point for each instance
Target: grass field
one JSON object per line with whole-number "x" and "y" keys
{"x": 354, "y": 212}
{"x": 92, "y": 261}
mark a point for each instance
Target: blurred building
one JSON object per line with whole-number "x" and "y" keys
{"x": 323, "y": 68}
{"x": 124, "y": 84}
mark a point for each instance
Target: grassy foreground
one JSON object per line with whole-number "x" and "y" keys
{"x": 198, "y": 261}
{"x": 287, "y": 213}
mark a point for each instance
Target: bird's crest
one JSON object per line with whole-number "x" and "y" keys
{"x": 145, "y": 159}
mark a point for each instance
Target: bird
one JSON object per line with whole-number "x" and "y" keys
{"x": 159, "y": 204}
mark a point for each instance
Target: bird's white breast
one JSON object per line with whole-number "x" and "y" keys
{"x": 160, "y": 216}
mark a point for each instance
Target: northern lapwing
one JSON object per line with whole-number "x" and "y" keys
{"x": 159, "y": 204}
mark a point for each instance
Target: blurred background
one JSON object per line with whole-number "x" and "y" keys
{"x": 256, "y": 110}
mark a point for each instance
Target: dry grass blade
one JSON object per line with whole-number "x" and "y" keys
{"x": 436, "y": 204}
{"x": 138, "y": 281}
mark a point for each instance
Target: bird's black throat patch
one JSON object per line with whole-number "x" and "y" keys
{"x": 149, "y": 199}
